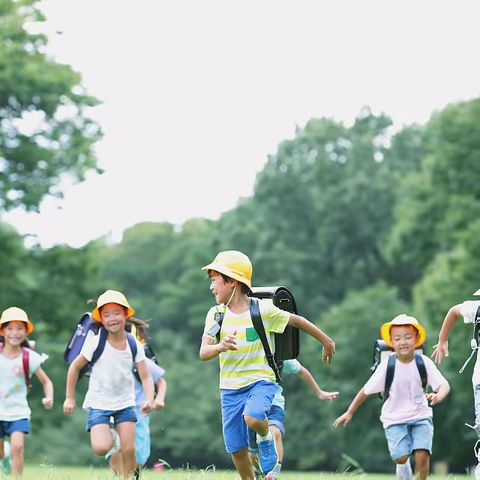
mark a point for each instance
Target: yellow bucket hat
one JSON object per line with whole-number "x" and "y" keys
{"x": 111, "y": 296}
{"x": 233, "y": 264}
{"x": 15, "y": 314}
{"x": 403, "y": 320}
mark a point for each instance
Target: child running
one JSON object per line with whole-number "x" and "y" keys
{"x": 111, "y": 388}
{"x": 18, "y": 363}
{"x": 142, "y": 429}
{"x": 247, "y": 383}
{"x": 407, "y": 419}
{"x": 276, "y": 415}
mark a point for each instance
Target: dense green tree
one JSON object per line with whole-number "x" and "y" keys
{"x": 44, "y": 128}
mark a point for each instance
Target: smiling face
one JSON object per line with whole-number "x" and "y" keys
{"x": 14, "y": 333}
{"x": 404, "y": 339}
{"x": 113, "y": 317}
{"x": 220, "y": 288}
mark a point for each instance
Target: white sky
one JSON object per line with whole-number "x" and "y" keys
{"x": 196, "y": 94}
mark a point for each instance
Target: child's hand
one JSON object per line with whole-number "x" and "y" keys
{"x": 329, "y": 396}
{"x": 345, "y": 419}
{"x": 146, "y": 406}
{"x": 327, "y": 353}
{"x": 433, "y": 398}
{"x": 69, "y": 405}
{"x": 47, "y": 403}
{"x": 439, "y": 350}
{"x": 229, "y": 342}
{"x": 158, "y": 405}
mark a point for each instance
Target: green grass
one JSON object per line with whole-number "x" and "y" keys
{"x": 75, "y": 473}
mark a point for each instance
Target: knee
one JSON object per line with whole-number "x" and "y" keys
{"x": 253, "y": 423}
{"x": 422, "y": 456}
{"x": 100, "y": 448}
{"x": 18, "y": 450}
{"x": 128, "y": 451}
{"x": 402, "y": 460}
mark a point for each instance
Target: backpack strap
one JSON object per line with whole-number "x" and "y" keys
{"x": 133, "y": 345}
{"x": 26, "y": 367}
{"x": 101, "y": 345}
{"x": 422, "y": 370}
{"x": 474, "y": 342}
{"x": 260, "y": 329}
{"x": 389, "y": 375}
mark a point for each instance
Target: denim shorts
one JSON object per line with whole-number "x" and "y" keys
{"x": 96, "y": 416}
{"x": 276, "y": 416}
{"x": 7, "y": 428}
{"x": 404, "y": 438}
{"x": 254, "y": 400}
{"x": 476, "y": 395}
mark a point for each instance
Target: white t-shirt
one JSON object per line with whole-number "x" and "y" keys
{"x": 468, "y": 311}
{"x": 111, "y": 384}
{"x": 13, "y": 386}
{"x": 406, "y": 400}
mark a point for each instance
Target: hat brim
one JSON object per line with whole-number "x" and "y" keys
{"x": 385, "y": 332}
{"x": 477, "y": 293}
{"x": 220, "y": 268}
{"x": 30, "y": 327}
{"x": 96, "y": 312}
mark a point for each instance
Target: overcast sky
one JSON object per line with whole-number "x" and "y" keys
{"x": 196, "y": 94}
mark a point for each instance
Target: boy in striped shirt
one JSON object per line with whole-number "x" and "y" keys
{"x": 247, "y": 383}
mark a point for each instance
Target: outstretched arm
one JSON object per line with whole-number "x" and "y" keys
{"x": 47, "y": 388}
{"x": 441, "y": 348}
{"x": 159, "y": 401}
{"x": 307, "y": 377}
{"x": 347, "y": 416}
{"x": 308, "y": 327}
{"x": 437, "y": 397}
{"x": 147, "y": 385}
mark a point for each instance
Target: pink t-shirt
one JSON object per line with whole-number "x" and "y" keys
{"x": 406, "y": 400}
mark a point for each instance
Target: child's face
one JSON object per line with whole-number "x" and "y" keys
{"x": 404, "y": 338}
{"x": 220, "y": 288}
{"x": 113, "y": 317}
{"x": 14, "y": 333}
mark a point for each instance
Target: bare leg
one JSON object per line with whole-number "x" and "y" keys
{"x": 115, "y": 462}
{"x": 243, "y": 464}
{"x": 278, "y": 441}
{"x": 101, "y": 439}
{"x": 17, "y": 442}
{"x": 260, "y": 426}
{"x": 422, "y": 464}
{"x": 126, "y": 430}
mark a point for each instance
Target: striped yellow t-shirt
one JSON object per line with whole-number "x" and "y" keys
{"x": 248, "y": 364}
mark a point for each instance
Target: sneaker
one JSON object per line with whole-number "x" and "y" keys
{"x": 267, "y": 454}
{"x": 404, "y": 472}
{"x": 116, "y": 446}
{"x": 274, "y": 474}
{"x": 476, "y": 451}
{"x": 6, "y": 461}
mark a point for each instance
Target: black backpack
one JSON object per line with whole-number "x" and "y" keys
{"x": 382, "y": 350}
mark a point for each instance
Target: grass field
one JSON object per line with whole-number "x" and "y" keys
{"x": 72, "y": 473}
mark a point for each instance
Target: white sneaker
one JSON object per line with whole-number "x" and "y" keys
{"x": 404, "y": 472}
{"x": 476, "y": 451}
{"x": 6, "y": 461}
{"x": 116, "y": 445}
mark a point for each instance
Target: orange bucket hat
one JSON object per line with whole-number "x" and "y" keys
{"x": 15, "y": 314}
{"x": 403, "y": 319}
{"x": 111, "y": 296}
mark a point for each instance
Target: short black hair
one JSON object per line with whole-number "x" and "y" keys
{"x": 245, "y": 289}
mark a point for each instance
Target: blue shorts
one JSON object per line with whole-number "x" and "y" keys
{"x": 7, "y": 428}
{"x": 96, "y": 416}
{"x": 404, "y": 438}
{"x": 253, "y": 400}
{"x": 276, "y": 416}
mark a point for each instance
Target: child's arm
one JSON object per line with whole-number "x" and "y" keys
{"x": 307, "y": 377}
{"x": 437, "y": 397}
{"x": 159, "y": 401}
{"x": 209, "y": 350}
{"x": 448, "y": 323}
{"x": 147, "y": 384}
{"x": 47, "y": 388}
{"x": 347, "y": 416}
{"x": 72, "y": 379}
{"x": 314, "y": 331}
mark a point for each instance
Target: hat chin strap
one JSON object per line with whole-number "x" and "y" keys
{"x": 231, "y": 296}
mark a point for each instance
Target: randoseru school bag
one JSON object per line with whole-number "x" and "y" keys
{"x": 27, "y": 345}
{"x": 86, "y": 328}
{"x": 381, "y": 351}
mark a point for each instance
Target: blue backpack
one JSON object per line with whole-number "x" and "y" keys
{"x": 88, "y": 327}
